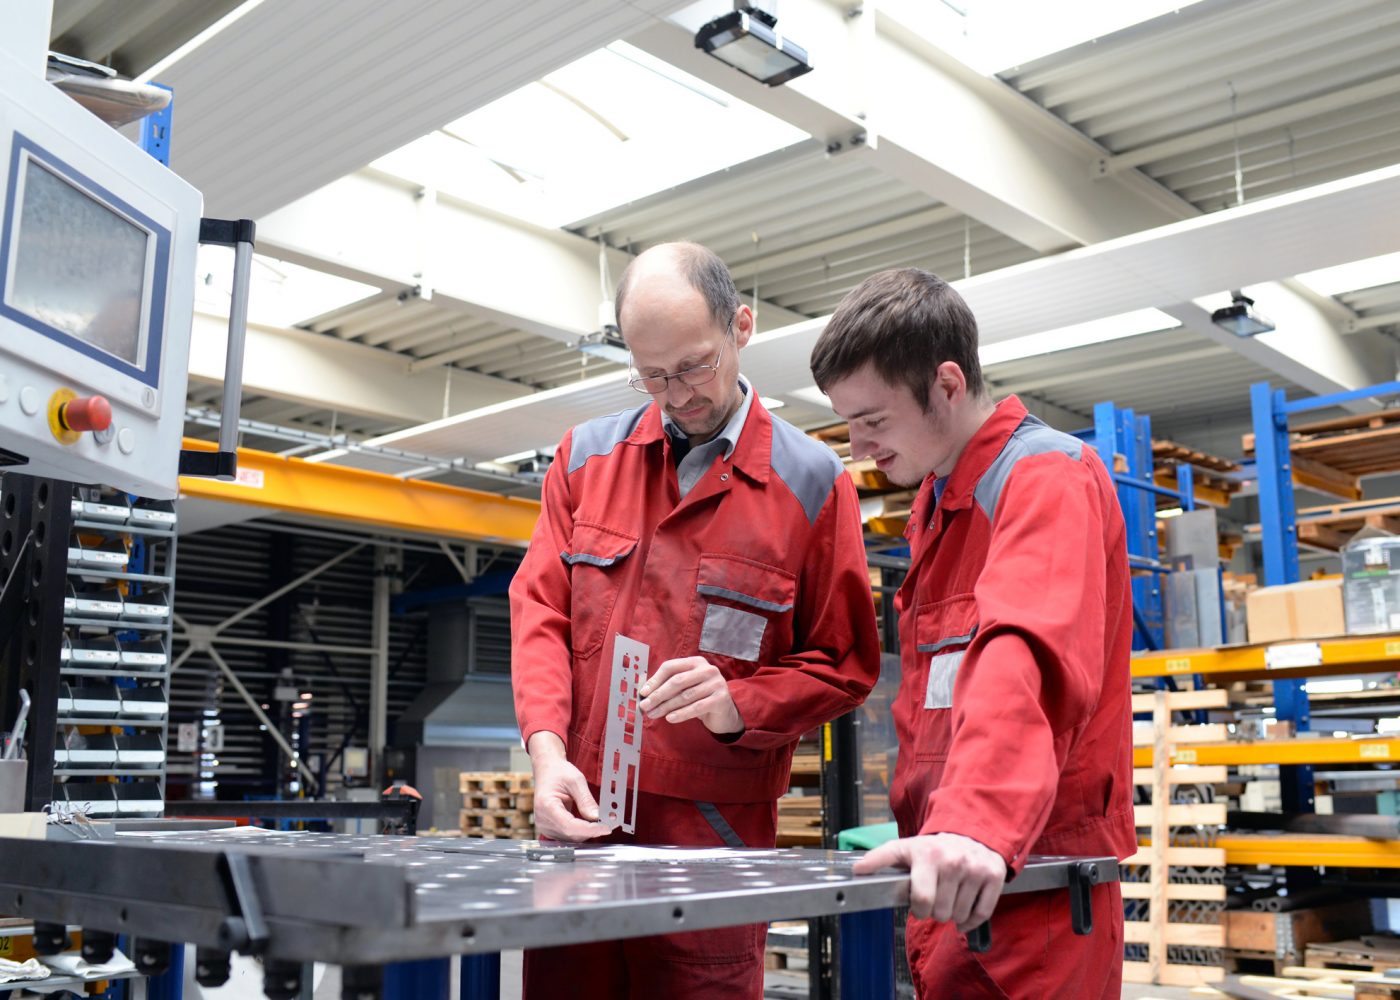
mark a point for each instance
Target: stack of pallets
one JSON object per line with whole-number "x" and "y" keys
{"x": 498, "y": 804}
{"x": 1174, "y": 887}
{"x": 800, "y": 820}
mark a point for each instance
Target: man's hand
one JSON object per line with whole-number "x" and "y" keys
{"x": 564, "y": 807}
{"x": 951, "y": 877}
{"x": 691, "y": 688}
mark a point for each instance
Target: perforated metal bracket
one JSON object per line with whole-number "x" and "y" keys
{"x": 622, "y": 746}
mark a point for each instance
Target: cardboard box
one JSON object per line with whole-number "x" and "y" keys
{"x": 1308, "y": 610}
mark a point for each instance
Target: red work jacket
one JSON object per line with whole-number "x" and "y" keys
{"x": 1014, "y": 712}
{"x": 760, "y": 569}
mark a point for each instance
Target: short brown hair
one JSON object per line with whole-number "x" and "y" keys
{"x": 906, "y": 323}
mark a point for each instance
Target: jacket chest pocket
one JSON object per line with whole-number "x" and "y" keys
{"x": 745, "y": 608}
{"x": 943, "y": 631}
{"x": 595, "y": 555}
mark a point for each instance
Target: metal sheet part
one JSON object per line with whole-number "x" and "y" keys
{"x": 622, "y": 746}
{"x": 364, "y": 899}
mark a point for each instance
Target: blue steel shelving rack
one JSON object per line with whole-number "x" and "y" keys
{"x": 1278, "y": 521}
{"x": 1119, "y": 431}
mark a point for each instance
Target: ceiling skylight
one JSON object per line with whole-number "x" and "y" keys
{"x": 607, "y": 129}
{"x": 1358, "y": 274}
{"x": 992, "y": 36}
{"x": 282, "y": 294}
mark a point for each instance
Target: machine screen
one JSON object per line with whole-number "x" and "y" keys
{"x": 79, "y": 266}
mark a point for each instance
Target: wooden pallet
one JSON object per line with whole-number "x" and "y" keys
{"x": 792, "y": 959}
{"x": 1298, "y": 983}
{"x": 1159, "y": 856}
{"x": 800, "y": 821}
{"x": 1333, "y": 455}
{"x": 495, "y": 782}
{"x": 1208, "y": 482}
{"x": 514, "y": 801}
{"x": 1331, "y": 527}
{"x": 495, "y": 823}
{"x": 497, "y": 804}
{"x": 1170, "y": 453}
{"x": 1367, "y": 954}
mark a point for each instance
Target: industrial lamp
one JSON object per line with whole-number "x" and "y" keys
{"x": 747, "y": 38}
{"x": 1240, "y": 318}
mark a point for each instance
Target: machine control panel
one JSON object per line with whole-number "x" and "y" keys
{"x": 97, "y": 272}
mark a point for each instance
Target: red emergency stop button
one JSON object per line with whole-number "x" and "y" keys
{"x": 86, "y": 413}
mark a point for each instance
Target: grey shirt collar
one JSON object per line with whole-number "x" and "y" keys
{"x": 732, "y": 430}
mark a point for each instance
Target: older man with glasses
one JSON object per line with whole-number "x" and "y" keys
{"x": 730, "y": 543}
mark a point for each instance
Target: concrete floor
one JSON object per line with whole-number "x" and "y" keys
{"x": 1134, "y": 992}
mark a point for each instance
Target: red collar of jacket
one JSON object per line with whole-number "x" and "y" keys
{"x": 981, "y": 451}
{"x": 753, "y": 455}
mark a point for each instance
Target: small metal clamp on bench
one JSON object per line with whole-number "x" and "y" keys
{"x": 223, "y": 464}
{"x": 1083, "y": 876}
{"x": 243, "y": 930}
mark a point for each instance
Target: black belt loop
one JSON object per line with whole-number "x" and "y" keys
{"x": 719, "y": 824}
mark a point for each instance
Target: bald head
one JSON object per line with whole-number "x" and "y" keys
{"x": 676, "y": 272}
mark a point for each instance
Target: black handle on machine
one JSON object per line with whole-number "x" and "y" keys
{"x": 239, "y": 234}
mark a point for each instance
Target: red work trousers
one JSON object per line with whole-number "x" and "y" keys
{"x": 700, "y": 965}
{"x": 1035, "y": 954}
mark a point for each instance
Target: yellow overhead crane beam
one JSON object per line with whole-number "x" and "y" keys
{"x": 295, "y": 486}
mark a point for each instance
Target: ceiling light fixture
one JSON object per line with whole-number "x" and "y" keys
{"x": 1240, "y": 318}
{"x": 747, "y": 38}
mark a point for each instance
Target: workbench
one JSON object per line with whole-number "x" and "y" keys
{"x": 364, "y": 902}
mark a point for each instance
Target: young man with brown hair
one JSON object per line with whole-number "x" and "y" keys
{"x": 1014, "y": 709}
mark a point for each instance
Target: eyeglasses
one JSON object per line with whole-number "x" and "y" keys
{"x": 655, "y": 385}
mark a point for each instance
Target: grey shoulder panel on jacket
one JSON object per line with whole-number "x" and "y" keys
{"x": 1032, "y": 437}
{"x": 601, "y": 435}
{"x": 806, "y": 466}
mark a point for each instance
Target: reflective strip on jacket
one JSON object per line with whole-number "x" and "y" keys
{"x": 760, "y": 569}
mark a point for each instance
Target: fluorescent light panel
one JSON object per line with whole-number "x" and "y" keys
{"x": 605, "y": 130}
{"x": 1098, "y": 331}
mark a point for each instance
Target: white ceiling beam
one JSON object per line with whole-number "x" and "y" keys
{"x": 879, "y": 233}
{"x": 1373, "y": 322}
{"x": 368, "y": 227}
{"x": 968, "y": 141}
{"x": 1103, "y": 374}
{"x": 1306, "y": 348}
{"x": 976, "y": 144}
{"x": 316, "y": 370}
{"x": 1236, "y": 248}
